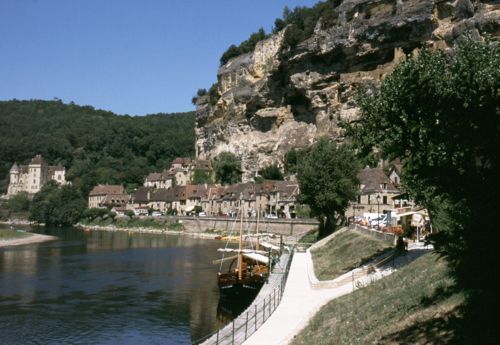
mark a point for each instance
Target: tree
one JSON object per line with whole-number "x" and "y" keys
{"x": 55, "y": 205}
{"x": 201, "y": 177}
{"x": 19, "y": 202}
{"x": 439, "y": 113}
{"x": 271, "y": 172}
{"x": 227, "y": 168}
{"x": 328, "y": 181}
{"x": 92, "y": 213}
{"x": 129, "y": 213}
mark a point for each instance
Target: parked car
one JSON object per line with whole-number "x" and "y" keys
{"x": 202, "y": 214}
{"x": 271, "y": 216}
{"x": 156, "y": 214}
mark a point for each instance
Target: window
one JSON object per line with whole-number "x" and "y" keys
{"x": 384, "y": 199}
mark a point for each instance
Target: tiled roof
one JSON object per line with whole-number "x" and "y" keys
{"x": 38, "y": 159}
{"x": 141, "y": 194}
{"x": 201, "y": 164}
{"x": 159, "y": 176}
{"x": 182, "y": 160}
{"x": 373, "y": 179}
{"x": 105, "y": 189}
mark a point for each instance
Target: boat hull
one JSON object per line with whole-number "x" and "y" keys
{"x": 243, "y": 288}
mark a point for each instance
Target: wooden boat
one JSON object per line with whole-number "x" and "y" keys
{"x": 248, "y": 269}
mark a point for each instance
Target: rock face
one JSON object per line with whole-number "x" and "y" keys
{"x": 279, "y": 97}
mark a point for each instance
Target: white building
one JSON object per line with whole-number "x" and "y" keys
{"x": 32, "y": 177}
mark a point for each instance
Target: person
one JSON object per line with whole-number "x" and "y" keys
{"x": 401, "y": 245}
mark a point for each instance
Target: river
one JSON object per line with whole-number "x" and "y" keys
{"x": 109, "y": 288}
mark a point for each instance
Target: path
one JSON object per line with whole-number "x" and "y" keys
{"x": 301, "y": 301}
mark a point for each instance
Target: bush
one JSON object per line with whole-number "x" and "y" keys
{"x": 19, "y": 202}
{"x": 93, "y": 213}
{"x": 271, "y": 172}
{"x": 129, "y": 213}
{"x": 55, "y": 205}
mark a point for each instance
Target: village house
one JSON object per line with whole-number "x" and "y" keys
{"x": 32, "y": 177}
{"x": 277, "y": 198}
{"x": 104, "y": 195}
{"x": 376, "y": 193}
{"x": 269, "y": 198}
{"x": 162, "y": 179}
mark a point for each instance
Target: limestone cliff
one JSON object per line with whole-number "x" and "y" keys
{"x": 279, "y": 97}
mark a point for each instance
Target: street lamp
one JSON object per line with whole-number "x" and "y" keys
{"x": 378, "y": 211}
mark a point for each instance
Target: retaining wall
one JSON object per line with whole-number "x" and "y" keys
{"x": 288, "y": 227}
{"x": 386, "y": 236}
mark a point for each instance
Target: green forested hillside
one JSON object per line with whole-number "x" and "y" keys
{"x": 95, "y": 146}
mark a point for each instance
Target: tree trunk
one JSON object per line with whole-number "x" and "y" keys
{"x": 326, "y": 225}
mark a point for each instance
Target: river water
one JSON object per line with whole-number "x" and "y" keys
{"x": 109, "y": 288}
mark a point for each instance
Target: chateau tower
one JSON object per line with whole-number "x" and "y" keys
{"x": 37, "y": 174}
{"x": 14, "y": 180}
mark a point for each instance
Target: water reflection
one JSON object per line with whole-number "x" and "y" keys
{"x": 107, "y": 288}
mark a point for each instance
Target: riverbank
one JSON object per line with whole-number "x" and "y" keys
{"x": 18, "y": 222}
{"x": 29, "y": 239}
{"x": 112, "y": 228}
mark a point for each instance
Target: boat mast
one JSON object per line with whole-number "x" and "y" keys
{"x": 257, "y": 229}
{"x": 240, "y": 253}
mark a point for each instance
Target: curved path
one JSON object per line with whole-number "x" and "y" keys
{"x": 301, "y": 300}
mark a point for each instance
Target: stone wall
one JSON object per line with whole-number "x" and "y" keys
{"x": 288, "y": 227}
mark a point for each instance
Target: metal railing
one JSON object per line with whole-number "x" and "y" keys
{"x": 247, "y": 323}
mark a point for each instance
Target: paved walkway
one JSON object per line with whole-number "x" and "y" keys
{"x": 301, "y": 301}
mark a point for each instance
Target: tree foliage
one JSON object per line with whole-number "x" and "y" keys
{"x": 271, "y": 172}
{"x": 201, "y": 177}
{"x": 244, "y": 47}
{"x": 55, "y": 205}
{"x": 328, "y": 181}
{"x": 227, "y": 168}
{"x": 301, "y": 21}
{"x": 95, "y": 146}
{"x": 440, "y": 114}
{"x": 93, "y": 213}
{"x": 19, "y": 202}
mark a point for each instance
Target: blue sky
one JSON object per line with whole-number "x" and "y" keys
{"x": 130, "y": 57}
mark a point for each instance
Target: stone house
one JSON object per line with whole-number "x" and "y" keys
{"x": 108, "y": 195}
{"x": 32, "y": 177}
{"x": 181, "y": 163}
{"x": 376, "y": 193}
{"x": 277, "y": 198}
{"x": 162, "y": 179}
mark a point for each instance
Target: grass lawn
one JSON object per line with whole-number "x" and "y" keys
{"x": 411, "y": 306}
{"x": 344, "y": 252}
{"x": 7, "y": 234}
{"x": 309, "y": 237}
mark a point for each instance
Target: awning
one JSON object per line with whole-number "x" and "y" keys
{"x": 407, "y": 214}
{"x": 257, "y": 257}
{"x": 236, "y": 250}
{"x": 189, "y": 208}
{"x": 269, "y": 246}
